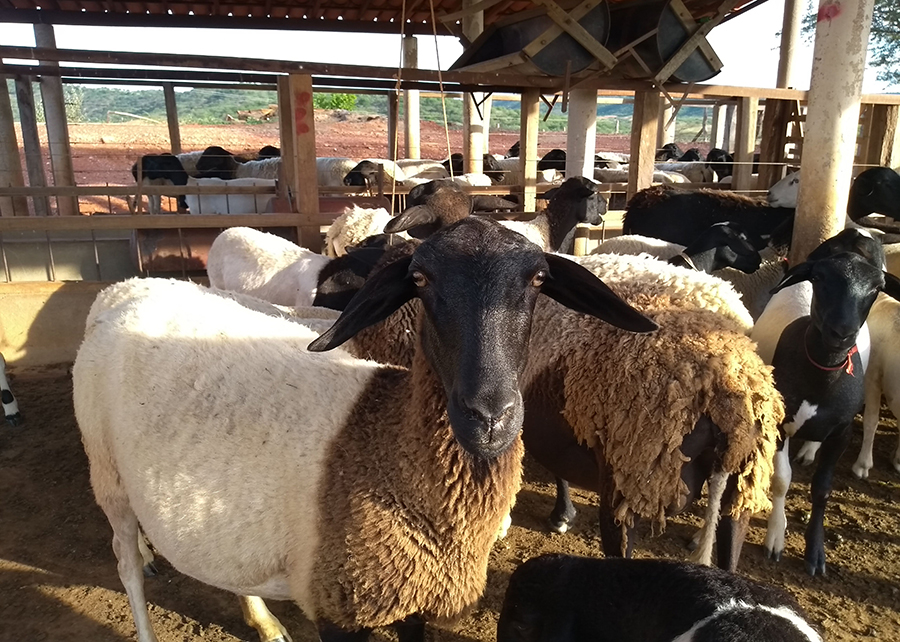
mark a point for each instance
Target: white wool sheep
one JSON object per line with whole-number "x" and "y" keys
{"x": 621, "y": 176}
{"x": 189, "y": 161}
{"x": 230, "y": 203}
{"x": 266, "y": 168}
{"x": 695, "y": 172}
{"x": 338, "y": 508}
{"x": 422, "y": 168}
{"x": 330, "y": 171}
{"x": 264, "y": 265}
{"x": 512, "y": 173}
{"x": 353, "y": 226}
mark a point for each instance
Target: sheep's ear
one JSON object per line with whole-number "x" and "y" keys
{"x": 380, "y": 296}
{"x": 891, "y": 286}
{"x": 577, "y": 288}
{"x": 794, "y": 276}
{"x": 412, "y": 217}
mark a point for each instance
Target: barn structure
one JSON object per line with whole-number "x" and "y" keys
{"x": 656, "y": 52}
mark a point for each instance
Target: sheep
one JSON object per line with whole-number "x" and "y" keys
{"x": 704, "y": 402}
{"x": 264, "y": 265}
{"x": 882, "y": 378}
{"x": 554, "y": 159}
{"x": 815, "y": 359}
{"x": 336, "y": 519}
{"x": 620, "y": 175}
{"x": 721, "y": 162}
{"x": 217, "y": 162}
{"x": 507, "y": 171}
{"x": 268, "y": 151}
{"x": 229, "y": 203}
{"x": 754, "y": 287}
{"x": 330, "y": 171}
{"x": 266, "y": 168}
{"x": 10, "y": 405}
{"x": 353, "y": 226}
{"x": 669, "y": 151}
{"x": 160, "y": 169}
{"x": 695, "y": 172}
{"x": 679, "y": 216}
{"x": 422, "y": 168}
{"x": 690, "y": 156}
{"x": 365, "y": 173}
{"x": 570, "y": 599}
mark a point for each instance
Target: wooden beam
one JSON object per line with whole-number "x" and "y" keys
{"x": 158, "y": 221}
{"x": 745, "y": 144}
{"x": 774, "y": 137}
{"x": 568, "y": 22}
{"x": 881, "y": 135}
{"x": 306, "y": 188}
{"x": 687, "y": 21}
{"x": 172, "y": 117}
{"x": 34, "y": 160}
{"x": 475, "y": 8}
{"x": 411, "y": 126}
{"x": 393, "y": 125}
{"x": 10, "y": 165}
{"x": 644, "y": 124}
{"x": 288, "y": 177}
{"x": 530, "y": 116}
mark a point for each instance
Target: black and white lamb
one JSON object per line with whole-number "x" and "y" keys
{"x": 819, "y": 369}
{"x": 10, "y": 405}
{"x": 562, "y": 598}
{"x": 302, "y": 487}
{"x": 160, "y": 169}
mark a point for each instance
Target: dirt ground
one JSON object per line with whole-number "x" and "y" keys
{"x": 58, "y": 576}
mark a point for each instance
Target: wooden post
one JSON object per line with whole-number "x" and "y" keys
{"x": 10, "y": 165}
{"x": 287, "y": 178}
{"x": 745, "y": 143}
{"x": 393, "y": 124}
{"x": 486, "y": 133}
{"x": 832, "y": 120}
{"x": 665, "y": 133}
{"x": 411, "y": 101}
{"x": 729, "y": 131}
{"x": 644, "y": 124}
{"x": 172, "y": 117}
{"x": 473, "y": 124}
{"x": 790, "y": 36}
{"x": 530, "y": 117}
{"x": 581, "y": 133}
{"x": 34, "y": 160}
{"x": 57, "y": 127}
{"x": 717, "y": 131}
{"x": 306, "y": 185}
{"x": 882, "y": 137}
{"x": 774, "y": 138}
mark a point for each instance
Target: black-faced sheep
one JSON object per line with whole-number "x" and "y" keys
{"x": 554, "y": 159}
{"x": 217, "y": 162}
{"x": 268, "y": 151}
{"x": 690, "y": 156}
{"x": 160, "y": 169}
{"x": 560, "y": 598}
{"x": 8, "y": 400}
{"x": 819, "y": 368}
{"x": 337, "y": 519}
{"x": 669, "y": 151}
{"x": 721, "y": 162}
{"x": 680, "y": 216}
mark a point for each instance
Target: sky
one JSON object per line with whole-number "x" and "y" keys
{"x": 748, "y": 46}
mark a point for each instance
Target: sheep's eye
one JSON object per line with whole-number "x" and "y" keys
{"x": 538, "y": 279}
{"x": 419, "y": 279}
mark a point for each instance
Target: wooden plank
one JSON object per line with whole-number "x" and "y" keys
{"x": 568, "y": 22}
{"x": 286, "y": 133}
{"x": 10, "y": 165}
{"x": 687, "y": 21}
{"x": 644, "y": 126}
{"x": 172, "y": 117}
{"x": 494, "y": 64}
{"x": 143, "y": 222}
{"x": 475, "y": 8}
{"x": 306, "y": 188}
{"x": 745, "y": 143}
{"x": 31, "y": 141}
{"x": 530, "y": 117}
{"x": 881, "y": 135}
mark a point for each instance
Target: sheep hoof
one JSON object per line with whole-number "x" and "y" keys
{"x": 815, "y": 568}
{"x": 150, "y": 570}
{"x": 559, "y": 526}
{"x": 775, "y": 556}
{"x": 861, "y": 471}
{"x": 14, "y": 420}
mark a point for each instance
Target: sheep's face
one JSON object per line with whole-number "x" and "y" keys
{"x": 360, "y": 176}
{"x": 478, "y": 286}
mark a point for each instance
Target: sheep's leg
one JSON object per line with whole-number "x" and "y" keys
{"x": 147, "y": 556}
{"x": 125, "y": 545}
{"x": 563, "y": 512}
{"x": 329, "y": 632}
{"x": 257, "y": 615}
{"x": 871, "y": 415}
{"x": 154, "y": 204}
{"x": 412, "y": 629}
{"x": 781, "y": 481}
{"x": 10, "y": 405}
{"x": 617, "y": 539}
{"x": 731, "y": 532}
{"x": 832, "y": 448}
{"x": 807, "y": 453}
{"x": 703, "y": 553}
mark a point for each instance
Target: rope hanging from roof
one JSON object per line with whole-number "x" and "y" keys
{"x": 440, "y": 83}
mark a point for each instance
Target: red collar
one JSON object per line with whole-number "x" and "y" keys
{"x": 846, "y": 366}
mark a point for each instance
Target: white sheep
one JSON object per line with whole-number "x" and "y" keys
{"x": 354, "y": 225}
{"x": 330, "y": 171}
{"x": 8, "y": 400}
{"x": 230, "y": 203}
{"x": 422, "y": 168}
{"x": 266, "y": 168}
{"x": 620, "y": 175}
{"x": 264, "y": 265}
{"x": 695, "y": 172}
{"x": 264, "y": 469}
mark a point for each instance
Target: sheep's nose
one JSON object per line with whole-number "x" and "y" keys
{"x": 489, "y": 411}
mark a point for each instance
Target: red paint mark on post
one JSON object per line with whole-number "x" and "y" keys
{"x": 302, "y": 128}
{"x": 303, "y": 97}
{"x": 829, "y": 11}
{"x": 299, "y": 113}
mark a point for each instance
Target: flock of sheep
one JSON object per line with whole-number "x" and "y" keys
{"x": 347, "y": 430}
